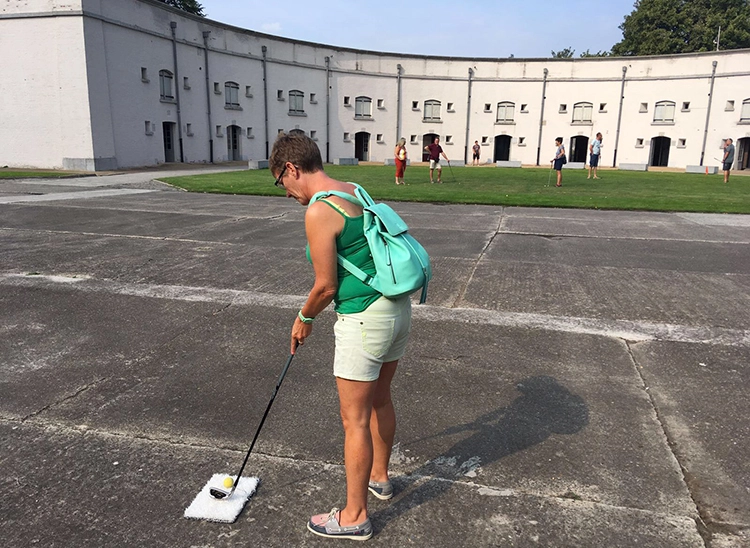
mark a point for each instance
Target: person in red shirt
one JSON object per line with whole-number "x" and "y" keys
{"x": 435, "y": 151}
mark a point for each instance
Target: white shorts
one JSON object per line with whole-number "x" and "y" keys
{"x": 367, "y": 340}
{"x": 435, "y": 164}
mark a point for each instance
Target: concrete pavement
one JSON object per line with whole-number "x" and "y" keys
{"x": 577, "y": 378}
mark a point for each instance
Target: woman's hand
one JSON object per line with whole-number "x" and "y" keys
{"x": 300, "y": 331}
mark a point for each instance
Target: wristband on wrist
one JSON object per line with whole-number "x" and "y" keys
{"x": 303, "y": 319}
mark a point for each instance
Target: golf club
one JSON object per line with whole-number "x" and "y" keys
{"x": 549, "y": 177}
{"x": 218, "y": 493}
{"x": 451, "y": 168}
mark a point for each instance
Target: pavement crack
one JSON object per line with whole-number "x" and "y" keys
{"x": 69, "y": 397}
{"x": 498, "y": 229}
{"x": 702, "y": 521}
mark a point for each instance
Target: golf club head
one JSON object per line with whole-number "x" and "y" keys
{"x": 218, "y": 494}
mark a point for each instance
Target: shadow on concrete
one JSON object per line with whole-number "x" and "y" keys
{"x": 544, "y": 408}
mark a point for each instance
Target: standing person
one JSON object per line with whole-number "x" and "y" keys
{"x": 595, "y": 148}
{"x": 728, "y": 159}
{"x": 435, "y": 151}
{"x": 475, "y": 156}
{"x": 400, "y": 156}
{"x": 371, "y": 331}
{"x": 559, "y": 159}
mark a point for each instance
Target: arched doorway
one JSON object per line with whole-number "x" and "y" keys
{"x": 233, "y": 143}
{"x": 579, "y": 146}
{"x": 502, "y": 148}
{"x": 660, "y": 151}
{"x": 427, "y": 139}
{"x": 743, "y": 153}
{"x": 362, "y": 146}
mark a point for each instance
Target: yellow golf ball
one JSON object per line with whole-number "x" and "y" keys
{"x": 228, "y": 482}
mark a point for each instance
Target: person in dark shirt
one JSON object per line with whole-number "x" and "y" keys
{"x": 728, "y": 158}
{"x": 435, "y": 151}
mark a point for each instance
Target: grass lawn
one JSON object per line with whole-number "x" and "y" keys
{"x": 654, "y": 191}
{"x": 10, "y": 174}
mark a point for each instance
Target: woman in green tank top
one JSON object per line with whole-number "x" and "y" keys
{"x": 371, "y": 331}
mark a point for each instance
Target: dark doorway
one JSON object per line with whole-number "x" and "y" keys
{"x": 502, "y": 148}
{"x": 168, "y": 130}
{"x": 362, "y": 146}
{"x": 233, "y": 143}
{"x": 427, "y": 139}
{"x": 660, "y": 151}
{"x": 579, "y": 146}
{"x": 743, "y": 153}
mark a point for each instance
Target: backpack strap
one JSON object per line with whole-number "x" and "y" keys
{"x": 337, "y": 207}
{"x": 345, "y": 195}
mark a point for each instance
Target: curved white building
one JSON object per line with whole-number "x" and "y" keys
{"x": 106, "y": 84}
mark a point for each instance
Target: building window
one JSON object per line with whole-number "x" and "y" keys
{"x": 219, "y": 133}
{"x": 563, "y": 108}
{"x": 379, "y": 138}
{"x": 484, "y": 139}
{"x": 686, "y": 106}
{"x": 165, "y": 85}
{"x": 250, "y": 133}
{"x": 189, "y": 130}
{"x": 524, "y": 110}
{"x": 450, "y": 107}
{"x": 346, "y": 101}
{"x": 313, "y": 135}
{"x": 280, "y": 132}
{"x": 644, "y": 107}
{"x": 363, "y": 107}
{"x": 149, "y": 128}
{"x": 729, "y": 106}
{"x": 745, "y": 114}
{"x": 582, "y": 113}
{"x": 144, "y": 75}
{"x": 313, "y": 100}
{"x": 296, "y": 102}
{"x": 639, "y": 143}
{"x": 413, "y": 140}
{"x": 664, "y": 111}
{"x": 415, "y": 105}
{"x": 279, "y": 94}
{"x": 602, "y": 107}
{"x": 487, "y": 107}
{"x": 522, "y": 141}
{"x": 505, "y": 112}
{"x": 231, "y": 95}
{"x": 249, "y": 91}
{"x": 431, "y": 110}
{"x": 681, "y": 143}
{"x": 449, "y": 139}
{"x": 381, "y": 103}
{"x": 346, "y": 137}
{"x": 186, "y": 82}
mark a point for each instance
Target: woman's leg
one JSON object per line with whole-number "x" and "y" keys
{"x": 559, "y": 177}
{"x": 356, "y": 401}
{"x": 383, "y": 423}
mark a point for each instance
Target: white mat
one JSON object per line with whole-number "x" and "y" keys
{"x": 226, "y": 510}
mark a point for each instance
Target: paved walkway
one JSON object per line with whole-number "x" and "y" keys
{"x": 578, "y": 378}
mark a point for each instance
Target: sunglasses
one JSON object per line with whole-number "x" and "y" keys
{"x": 278, "y": 182}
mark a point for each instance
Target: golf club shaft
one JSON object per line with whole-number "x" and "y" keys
{"x": 257, "y": 432}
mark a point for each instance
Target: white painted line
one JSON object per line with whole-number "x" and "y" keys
{"x": 73, "y": 195}
{"x": 622, "y": 329}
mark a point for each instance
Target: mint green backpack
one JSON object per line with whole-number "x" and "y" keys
{"x": 401, "y": 263}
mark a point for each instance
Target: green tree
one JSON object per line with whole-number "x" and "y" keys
{"x": 190, "y": 6}
{"x": 587, "y": 53}
{"x": 566, "y": 53}
{"x": 657, "y": 27}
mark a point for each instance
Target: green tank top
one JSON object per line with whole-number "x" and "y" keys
{"x": 353, "y": 295}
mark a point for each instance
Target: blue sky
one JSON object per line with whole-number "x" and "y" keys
{"x": 461, "y": 28}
